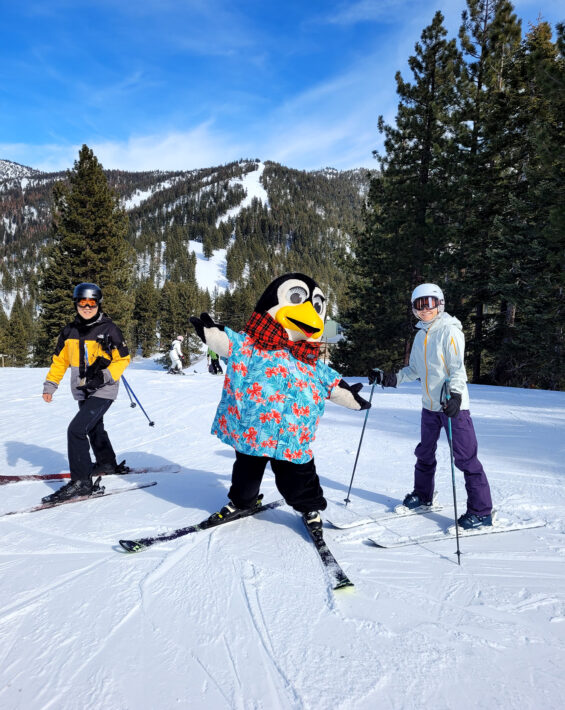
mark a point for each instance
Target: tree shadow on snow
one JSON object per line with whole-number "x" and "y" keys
{"x": 45, "y": 459}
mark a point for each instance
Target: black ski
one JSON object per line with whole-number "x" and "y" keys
{"x": 167, "y": 468}
{"x": 337, "y": 576}
{"x": 100, "y": 493}
{"x": 211, "y": 522}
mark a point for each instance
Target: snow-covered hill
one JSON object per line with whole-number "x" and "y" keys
{"x": 14, "y": 171}
{"x": 242, "y": 617}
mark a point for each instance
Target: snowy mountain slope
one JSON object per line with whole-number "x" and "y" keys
{"x": 251, "y": 183}
{"x": 210, "y": 273}
{"x": 14, "y": 171}
{"x": 242, "y": 616}
{"x": 210, "y": 206}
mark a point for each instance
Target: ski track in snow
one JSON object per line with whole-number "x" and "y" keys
{"x": 243, "y": 616}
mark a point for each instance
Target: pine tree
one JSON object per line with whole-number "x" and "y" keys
{"x": 89, "y": 244}
{"x": 19, "y": 336}
{"x": 489, "y": 35}
{"x": 407, "y": 220}
{"x": 4, "y": 328}
{"x": 146, "y": 313}
{"x": 178, "y": 302}
{"x": 530, "y": 351}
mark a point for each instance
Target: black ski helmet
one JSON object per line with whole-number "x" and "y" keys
{"x": 87, "y": 290}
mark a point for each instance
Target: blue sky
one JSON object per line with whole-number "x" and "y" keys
{"x": 182, "y": 84}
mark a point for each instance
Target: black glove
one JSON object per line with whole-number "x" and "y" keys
{"x": 355, "y": 389}
{"x": 94, "y": 376}
{"x": 378, "y": 377}
{"x": 453, "y": 405}
{"x": 204, "y": 322}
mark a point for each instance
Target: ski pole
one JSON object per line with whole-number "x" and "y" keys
{"x": 445, "y": 390}
{"x": 347, "y": 500}
{"x": 126, "y": 383}
{"x": 132, "y": 404}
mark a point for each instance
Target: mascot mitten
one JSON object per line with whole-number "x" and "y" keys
{"x": 274, "y": 394}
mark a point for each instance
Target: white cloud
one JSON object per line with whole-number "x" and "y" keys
{"x": 198, "y": 147}
{"x": 349, "y": 13}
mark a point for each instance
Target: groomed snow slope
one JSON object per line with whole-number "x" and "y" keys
{"x": 242, "y": 616}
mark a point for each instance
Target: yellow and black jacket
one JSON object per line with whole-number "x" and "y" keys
{"x": 80, "y": 344}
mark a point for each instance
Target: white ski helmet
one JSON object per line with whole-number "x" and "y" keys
{"x": 180, "y": 337}
{"x": 432, "y": 292}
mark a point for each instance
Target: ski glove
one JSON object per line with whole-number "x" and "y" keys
{"x": 205, "y": 321}
{"x": 355, "y": 389}
{"x": 453, "y": 405}
{"x": 94, "y": 376}
{"x": 378, "y": 377}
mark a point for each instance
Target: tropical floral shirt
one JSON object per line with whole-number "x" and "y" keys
{"x": 271, "y": 402}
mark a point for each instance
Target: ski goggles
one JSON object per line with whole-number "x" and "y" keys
{"x": 426, "y": 303}
{"x": 87, "y": 303}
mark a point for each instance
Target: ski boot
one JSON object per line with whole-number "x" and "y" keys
{"x": 73, "y": 489}
{"x": 470, "y": 521}
{"x": 413, "y": 500}
{"x": 230, "y": 511}
{"x": 106, "y": 469}
{"x": 313, "y": 521}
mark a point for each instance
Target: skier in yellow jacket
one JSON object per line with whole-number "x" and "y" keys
{"x": 94, "y": 348}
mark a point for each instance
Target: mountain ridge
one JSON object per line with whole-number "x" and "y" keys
{"x": 249, "y": 212}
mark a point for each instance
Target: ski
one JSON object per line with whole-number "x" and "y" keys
{"x": 449, "y": 534}
{"x": 167, "y": 468}
{"x": 101, "y": 493}
{"x": 336, "y": 575}
{"x": 399, "y": 512}
{"x": 142, "y": 543}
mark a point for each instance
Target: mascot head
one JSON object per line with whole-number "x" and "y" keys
{"x": 298, "y": 304}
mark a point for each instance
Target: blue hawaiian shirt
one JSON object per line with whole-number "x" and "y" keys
{"x": 271, "y": 402}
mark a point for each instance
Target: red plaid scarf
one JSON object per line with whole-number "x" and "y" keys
{"x": 270, "y": 335}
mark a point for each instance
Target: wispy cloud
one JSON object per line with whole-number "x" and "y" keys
{"x": 199, "y": 147}
{"x": 349, "y": 13}
{"x": 164, "y": 84}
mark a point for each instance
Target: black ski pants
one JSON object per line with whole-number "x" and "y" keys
{"x": 297, "y": 482}
{"x": 216, "y": 367}
{"x": 88, "y": 426}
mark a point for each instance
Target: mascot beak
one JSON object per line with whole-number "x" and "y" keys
{"x": 302, "y": 318}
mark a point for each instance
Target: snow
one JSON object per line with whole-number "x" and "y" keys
{"x": 139, "y": 196}
{"x": 210, "y": 273}
{"x": 10, "y": 170}
{"x": 251, "y": 183}
{"x": 242, "y": 616}
{"x": 9, "y": 226}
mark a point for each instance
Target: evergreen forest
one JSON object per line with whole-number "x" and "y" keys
{"x": 470, "y": 195}
{"x": 468, "y": 191}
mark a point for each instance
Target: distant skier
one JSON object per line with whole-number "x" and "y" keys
{"x": 438, "y": 353}
{"x": 94, "y": 348}
{"x": 214, "y": 366}
{"x": 176, "y": 356}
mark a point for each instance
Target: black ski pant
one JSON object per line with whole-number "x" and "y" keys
{"x": 297, "y": 482}
{"x": 216, "y": 367}
{"x": 88, "y": 426}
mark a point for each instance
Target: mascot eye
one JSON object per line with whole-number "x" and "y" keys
{"x": 297, "y": 294}
{"x": 318, "y": 303}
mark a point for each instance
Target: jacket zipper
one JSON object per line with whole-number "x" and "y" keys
{"x": 426, "y": 364}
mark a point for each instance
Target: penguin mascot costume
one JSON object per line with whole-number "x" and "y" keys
{"x": 274, "y": 395}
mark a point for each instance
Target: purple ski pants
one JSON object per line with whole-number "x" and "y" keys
{"x": 464, "y": 455}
